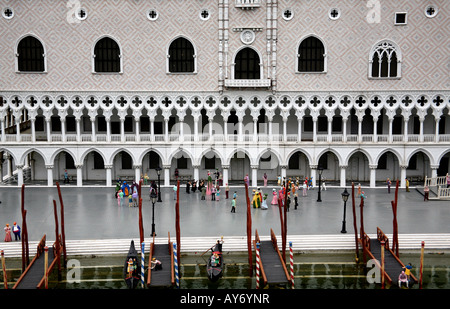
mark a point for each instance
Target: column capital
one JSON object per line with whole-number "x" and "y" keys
{"x": 313, "y": 167}
{"x": 136, "y": 166}
{"x": 108, "y": 167}
{"x": 225, "y": 167}
{"x": 49, "y": 167}
{"x": 373, "y": 166}
{"x": 79, "y": 166}
{"x": 343, "y": 166}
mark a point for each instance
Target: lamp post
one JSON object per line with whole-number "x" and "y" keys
{"x": 320, "y": 169}
{"x": 158, "y": 171}
{"x": 153, "y": 198}
{"x": 345, "y": 195}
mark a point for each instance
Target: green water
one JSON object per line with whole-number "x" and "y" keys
{"x": 311, "y": 271}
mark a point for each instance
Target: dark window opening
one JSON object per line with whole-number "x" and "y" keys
{"x": 98, "y": 162}
{"x": 311, "y": 55}
{"x": 181, "y": 56}
{"x": 30, "y": 55}
{"x": 70, "y": 163}
{"x": 247, "y": 64}
{"x": 107, "y": 56}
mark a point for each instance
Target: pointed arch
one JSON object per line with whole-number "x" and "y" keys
{"x": 311, "y": 55}
{"x": 30, "y": 54}
{"x": 385, "y": 60}
{"x": 247, "y": 64}
{"x": 181, "y": 56}
{"x": 106, "y": 55}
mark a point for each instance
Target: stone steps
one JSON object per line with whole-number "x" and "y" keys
{"x": 198, "y": 245}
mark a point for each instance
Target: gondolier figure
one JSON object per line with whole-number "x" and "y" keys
{"x": 131, "y": 267}
{"x": 156, "y": 264}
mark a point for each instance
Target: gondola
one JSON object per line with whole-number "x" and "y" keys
{"x": 133, "y": 280}
{"x": 215, "y": 271}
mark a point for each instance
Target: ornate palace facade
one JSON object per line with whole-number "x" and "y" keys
{"x": 108, "y": 89}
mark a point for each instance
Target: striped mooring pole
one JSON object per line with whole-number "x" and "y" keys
{"x": 291, "y": 264}
{"x": 257, "y": 265}
{"x": 143, "y": 265}
{"x": 177, "y": 280}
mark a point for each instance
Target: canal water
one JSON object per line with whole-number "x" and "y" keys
{"x": 311, "y": 271}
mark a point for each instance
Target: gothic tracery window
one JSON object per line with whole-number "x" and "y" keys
{"x": 385, "y": 61}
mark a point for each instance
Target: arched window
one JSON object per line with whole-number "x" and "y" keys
{"x": 311, "y": 55}
{"x": 30, "y": 55}
{"x": 107, "y": 57}
{"x": 247, "y": 64}
{"x": 385, "y": 61}
{"x": 181, "y": 56}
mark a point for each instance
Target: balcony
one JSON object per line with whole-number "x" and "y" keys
{"x": 248, "y": 4}
{"x": 57, "y": 138}
{"x": 247, "y": 83}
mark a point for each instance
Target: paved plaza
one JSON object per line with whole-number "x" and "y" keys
{"x": 93, "y": 213}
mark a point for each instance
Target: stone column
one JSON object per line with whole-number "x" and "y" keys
{"x": 79, "y": 175}
{"x": 436, "y": 137}
{"x": 108, "y": 169}
{"x": 49, "y": 136}
{"x": 19, "y": 168}
{"x": 225, "y": 169}
{"x": 390, "y": 129}
{"x": 108, "y": 129}
{"x": 313, "y": 174}
{"x": 167, "y": 175}
{"x": 405, "y": 129}
{"x": 373, "y": 175}
{"x": 344, "y": 129}
{"x": 299, "y": 129}
{"x": 137, "y": 172}
{"x": 314, "y": 129}
{"x": 2, "y": 123}
{"x": 49, "y": 175}
{"x": 434, "y": 169}
{"x": 375, "y": 136}
{"x": 421, "y": 119}
{"x": 63, "y": 129}
{"x": 122, "y": 129}
{"x": 93, "y": 138}
{"x": 360, "y": 120}
{"x": 18, "y": 128}
{"x": 343, "y": 174}
{"x": 137, "y": 127}
{"x": 77, "y": 119}
{"x": 403, "y": 175}
{"x": 283, "y": 172}
{"x": 166, "y": 130}
{"x": 196, "y": 172}
{"x": 255, "y": 175}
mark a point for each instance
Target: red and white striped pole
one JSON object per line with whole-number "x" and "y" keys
{"x": 257, "y": 265}
{"x": 292, "y": 264}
